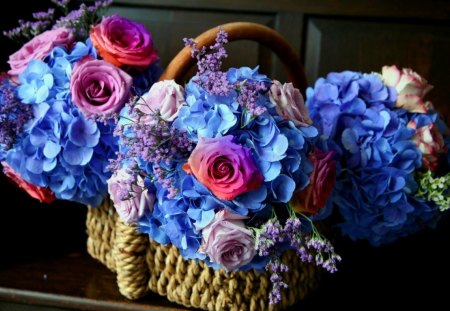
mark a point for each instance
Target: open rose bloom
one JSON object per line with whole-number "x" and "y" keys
{"x": 223, "y": 158}
{"x": 59, "y": 100}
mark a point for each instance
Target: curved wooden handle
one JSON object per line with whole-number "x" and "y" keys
{"x": 183, "y": 61}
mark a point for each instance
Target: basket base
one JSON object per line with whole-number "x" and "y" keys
{"x": 143, "y": 265}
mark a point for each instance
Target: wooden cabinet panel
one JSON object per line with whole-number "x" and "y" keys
{"x": 336, "y": 45}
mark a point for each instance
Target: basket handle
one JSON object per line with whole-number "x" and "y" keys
{"x": 183, "y": 61}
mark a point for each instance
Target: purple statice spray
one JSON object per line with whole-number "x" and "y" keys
{"x": 81, "y": 19}
{"x": 153, "y": 141}
{"x": 13, "y": 115}
{"x": 267, "y": 238}
{"x": 78, "y": 20}
{"x": 308, "y": 247}
{"x": 214, "y": 81}
{"x": 209, "y": 62}
{"x": 311, "y": 246}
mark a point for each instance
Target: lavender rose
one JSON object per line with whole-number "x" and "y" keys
{"x": 225, "y": 168}
{"x": 123, "y": 42}
{"x": 314, "y": 197}
{"x": 166, "y": 97}
{"x": 289, "y": 103}
{"x": 227, "y": 242}
{"x": 130, "y": 199}
{"x": 98, "y": 87}
{"x": 38, "y": 48}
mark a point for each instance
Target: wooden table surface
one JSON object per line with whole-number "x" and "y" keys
{"x": 44, "y": 266}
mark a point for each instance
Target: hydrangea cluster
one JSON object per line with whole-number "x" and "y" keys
{"x": 60, "y": 97}
{"x": 220, "y": 158}
{"x": 385, "y": 134}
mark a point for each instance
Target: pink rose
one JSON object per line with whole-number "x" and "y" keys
{"x": 314, "y": 197}
{"x": 430, "y": 142}
{"x": 225, "y": 168}
{"x": 227, "y": 242}
{"x": 39, "y": 193}
{"x": 97, "y": 87}
{"x": 166, "y": 97}
{"x": 130, "y": 198}
{"x": 38, "y": 48}
{"x": 123, "y": 42}
{"x": 289, "y": 103}
{"x": 411, "y": 88}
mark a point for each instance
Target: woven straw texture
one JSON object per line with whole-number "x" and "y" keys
{"x": 143, "y": 265}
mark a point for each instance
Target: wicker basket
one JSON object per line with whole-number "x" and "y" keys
{"x": 143, "y": 265}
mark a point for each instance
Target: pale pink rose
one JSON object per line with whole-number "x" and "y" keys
{"x": 289, "y": 103}
{"x": 227, "y": 241}
{"x": 39, "y": 193}
{"x": 130, "y": 198}
{"x": 411, "y": 88}
{"x": 430, "y": 142}
{"x": 165, "y": 97}
{"x": 38, "y": 48}
{"x": 97, "y": 87}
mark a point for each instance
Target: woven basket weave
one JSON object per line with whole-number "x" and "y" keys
{"x": 143, "y": 265}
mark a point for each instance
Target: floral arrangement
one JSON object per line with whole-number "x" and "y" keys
{"x": 66, "y": 83}
{"x": 393, "y": 149}
{"x": 227, "y": 169}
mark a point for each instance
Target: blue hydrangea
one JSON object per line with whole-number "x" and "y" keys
{"x": 377, "y": 205}
{"x": 375, "y": 188}
{"x": 59, "y": 148}
{"x": 279, "y": 149}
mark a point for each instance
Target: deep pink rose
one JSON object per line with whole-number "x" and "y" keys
{"x": 38, "y": 48}
{"x": 97, "y": 87}
{"x": 39, "y": 193}
{"x": 430, "y": 142}
{"x": 165, "y": 97}
{"x": 123, "y": 42}
{"x": 289, "y": 103}
{"x": 227, "y": 242}
{"x": 130, "y": 199}
{"x": 411, "y": 88}
{"x": 225, "y": 168}
{"x": 321, "y": 182}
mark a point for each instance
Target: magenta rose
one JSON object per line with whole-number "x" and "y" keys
{"x": 225, "y": 168}
{"x": 97, "y": 87}
{"x": 227, "y": 241}
{"x": 411, "y": 88}
{"x": 321, "y": 182}
{"x": 430, "y": 142}
{"x": 131, "y": 199}
{"x": 289, "y": 103}
{"x": 38, "y": 48}
{"x": 165, "y": 97}
{"x": 39, "y": 193}
{"x": 123, "y": 42}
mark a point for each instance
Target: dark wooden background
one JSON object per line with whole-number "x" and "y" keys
{"x": 330, "y": 35}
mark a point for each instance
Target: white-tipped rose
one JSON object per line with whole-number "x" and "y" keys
{"x": 411, "y": 88}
